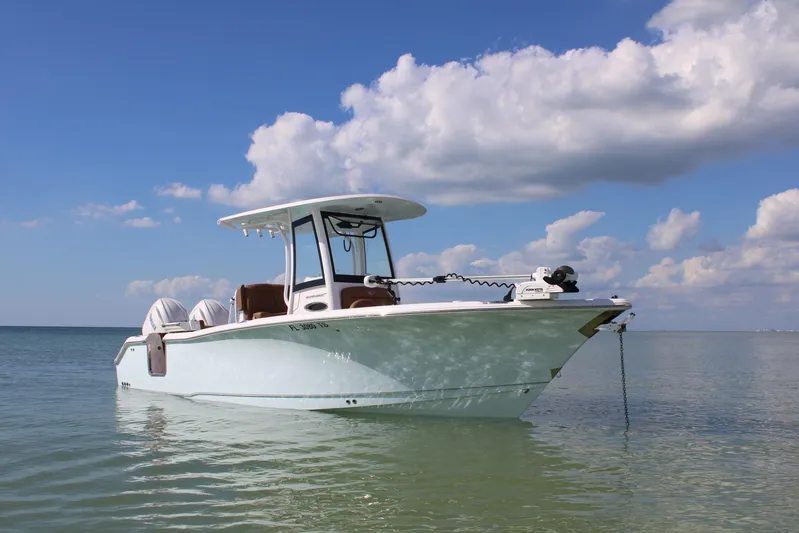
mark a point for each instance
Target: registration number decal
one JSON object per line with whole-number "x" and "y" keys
{"x": 307, "y": 326}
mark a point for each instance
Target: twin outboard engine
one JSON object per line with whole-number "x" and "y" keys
{"x": 168, "y": 315}
{"x": 564, "y": 277}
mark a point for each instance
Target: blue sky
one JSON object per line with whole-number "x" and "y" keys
{"x": 102, "y": 105}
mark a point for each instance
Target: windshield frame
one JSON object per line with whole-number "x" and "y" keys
{"x": 300, "y": 285}
{"x": 377, "y": 222}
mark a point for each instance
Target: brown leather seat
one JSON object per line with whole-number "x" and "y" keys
{"x": 352, "y": 297}
{"x": 261, "y": 300}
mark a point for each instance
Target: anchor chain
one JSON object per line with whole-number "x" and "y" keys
{"x": 623, "y": 376}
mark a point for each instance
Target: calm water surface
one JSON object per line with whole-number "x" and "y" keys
{"x": 713, "y": 446}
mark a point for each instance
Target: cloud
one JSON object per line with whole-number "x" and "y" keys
{"x": 169, "y": 211}
{"x": 177, "y": 220}
{"x": 678, "y": 227}
{"x": 179, "y": 190}
{"x": 186, "y": 286}
{"x": 768, "y": 255}
{"x": 35, "y": 223}
{"x": 777, "y": 217}
{"x": 145, "y": 222}
{"x": 661, "y": 275}
{"x": 454, "y": 259}
{"x": 702, "y": 14}
{"x": 92, "y": 210}
{"x": 596, "y": 259}
{"x": 529, "y": 124}
{"x": 762, "y": 266}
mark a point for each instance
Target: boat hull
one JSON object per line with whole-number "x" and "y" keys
{"x": 486, "y": 362}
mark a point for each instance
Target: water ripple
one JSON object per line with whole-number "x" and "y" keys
{"x": 712, "y": 447}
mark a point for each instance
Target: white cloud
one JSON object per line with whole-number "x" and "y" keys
{"x": 177, "y": 220}
{"x": 768, "y": 255}
{"x": 455, "y": 259}
{"x": 145, "y": 222}
{"x": 35, "y": 223}
{"x": 529, "y": 124}
{"x": 678, "y": 227}
{"x": 699, "y": 13}
{"x": 169, "y": 211}
{"x": 194, "y": 286}
{"x": 179, "y": 190}
{"x": 560, "y": 234}
{"x": 92, "y": 210}
{"x": 660, "y": 275}
{"x": 777, "y": 217}
{"x": 597, "y": 259}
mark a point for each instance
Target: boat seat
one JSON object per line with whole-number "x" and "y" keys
{"x": 352, "y": 297}
{"x": 261, "y": 300}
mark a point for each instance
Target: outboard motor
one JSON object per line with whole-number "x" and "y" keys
{"x": 210, "y": 312}
{"x": 164, "y": 311}
{"x": 564, "y": 277}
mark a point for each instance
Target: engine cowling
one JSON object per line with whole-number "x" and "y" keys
{"x": 164, "y": 311}
{"x": 210, "y": 312}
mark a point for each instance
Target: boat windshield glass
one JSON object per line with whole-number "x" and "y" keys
{"x": 357, "y": 247}
{"x": 307, "y": 259}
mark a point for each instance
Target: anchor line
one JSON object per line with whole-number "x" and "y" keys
{"x": 623, "y": 376}
{"x": 443, "y": 279}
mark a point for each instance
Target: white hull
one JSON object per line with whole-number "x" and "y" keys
{"x": 459, "y": 359}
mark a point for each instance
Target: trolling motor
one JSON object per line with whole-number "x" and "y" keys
{"x": 564, "y": 277}
{"x": 548, "y": 284}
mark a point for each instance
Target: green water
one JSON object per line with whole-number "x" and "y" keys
{"x": 712, "y": 447}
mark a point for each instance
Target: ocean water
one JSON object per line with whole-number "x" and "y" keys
{"x": 713, "y": 445}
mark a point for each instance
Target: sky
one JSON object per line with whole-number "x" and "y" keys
{"x": 652, "y": 145}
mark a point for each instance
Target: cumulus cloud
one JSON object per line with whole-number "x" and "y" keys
{"x": 778, "y": 217}
{"x": 596, "y": 259}
{"x": 763, "y": 265}
{"x": 768, "y": 255}
{"x": 723, "y": 80}
{"x": 678, "y": 227}
{"x": 699, "y": 13}
{"x": 179, "y": 190}
{"x": 185, "y": 286}
{"x": 145, "y": 222}
{"x": 92, "y": 210}
{"x": 661, "y": 275}
{"x": 455, "y": 259}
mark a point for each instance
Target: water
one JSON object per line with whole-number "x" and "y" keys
{"x": 712, "y": 446}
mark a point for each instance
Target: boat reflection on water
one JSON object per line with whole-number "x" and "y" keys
{"x": 194, "y": 464}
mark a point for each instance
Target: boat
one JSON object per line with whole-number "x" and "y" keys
{"x": 336, "y": 336}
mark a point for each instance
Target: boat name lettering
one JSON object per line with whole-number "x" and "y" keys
{"x": 307, "y": 326}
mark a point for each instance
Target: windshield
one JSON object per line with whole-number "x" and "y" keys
{"x": 307, "y": 261}
{"x": 357, "y": 247}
